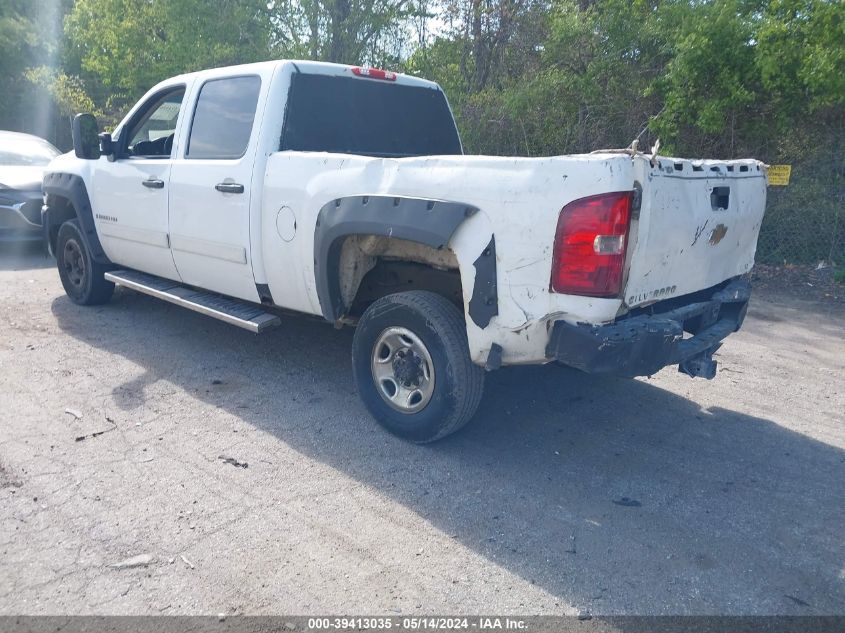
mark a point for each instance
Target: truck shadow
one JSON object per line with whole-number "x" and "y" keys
{"x": 600, "y": 491}
{"x": 24, "y": 256}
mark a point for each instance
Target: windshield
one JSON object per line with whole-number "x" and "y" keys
{"x": 363, "y": 116}
{"x": 16, "y": 151}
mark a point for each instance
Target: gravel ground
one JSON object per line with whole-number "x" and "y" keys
{"x": 237, "y": 473}
{"x": 809, "y": 283}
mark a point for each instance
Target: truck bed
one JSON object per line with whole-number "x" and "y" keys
{"x": 680, "y": 241}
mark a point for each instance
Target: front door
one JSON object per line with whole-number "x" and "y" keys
{"x": 211, "y": 189}
{"x": 130, "y": 193}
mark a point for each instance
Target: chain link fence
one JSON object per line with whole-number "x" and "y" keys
{"x": 805, "y": 220}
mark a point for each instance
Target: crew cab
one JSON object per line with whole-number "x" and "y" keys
{"x": 344, "y": 192}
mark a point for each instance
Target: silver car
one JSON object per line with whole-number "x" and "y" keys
{"x": 23, "y": 158}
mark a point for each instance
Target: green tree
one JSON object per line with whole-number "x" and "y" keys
{"x": 486, "y": 41}
{"x": 127, "y": 46}
{"x": 710, "y": 86}
{"x": 343, "y": 31}
{"x": 30, "y": 36}
{"x": 801, "y": 53}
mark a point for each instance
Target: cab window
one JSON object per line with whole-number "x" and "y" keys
{"x": 223, "y": 118}
{"x": 151, "y": 134}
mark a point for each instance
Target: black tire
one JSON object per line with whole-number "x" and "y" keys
{"x": 81, "y": 276}
{"x": 456, "y": 383}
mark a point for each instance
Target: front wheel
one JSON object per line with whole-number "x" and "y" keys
{"x": 412, "y": 367}
{"x": 81, "y": 276}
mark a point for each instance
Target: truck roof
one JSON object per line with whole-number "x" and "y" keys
{"x": 305, "y": 66}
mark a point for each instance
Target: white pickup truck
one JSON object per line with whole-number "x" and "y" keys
{"x": 344, "y": 192}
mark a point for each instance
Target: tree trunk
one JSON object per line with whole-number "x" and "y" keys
{"x": 338, "y": 45}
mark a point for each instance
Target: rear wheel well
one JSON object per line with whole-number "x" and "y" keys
{"x": 376, "y": 266}
{"x": 389, "y": 277}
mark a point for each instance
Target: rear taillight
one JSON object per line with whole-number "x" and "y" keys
{"x": 590, "y": 241}
{"x": 374, "y": 73}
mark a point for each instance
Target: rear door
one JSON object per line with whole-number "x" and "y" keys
{"x": 211, "y": 187}
{"x": 697, "y": 226}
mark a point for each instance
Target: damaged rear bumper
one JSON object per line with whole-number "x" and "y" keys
{"x": 641, "y": 343}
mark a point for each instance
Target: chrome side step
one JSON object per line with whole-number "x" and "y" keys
{"x": 241, "y": 313}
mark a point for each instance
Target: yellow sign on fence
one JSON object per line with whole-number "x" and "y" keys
{"x": 779, "y": 175}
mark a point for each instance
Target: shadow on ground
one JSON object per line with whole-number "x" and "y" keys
{"x": 601, "y": 491}
{"x": 24, "y": 256}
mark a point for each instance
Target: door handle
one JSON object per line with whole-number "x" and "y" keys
{"x": 153, "y": 183}
{"x": 229, "y": 187}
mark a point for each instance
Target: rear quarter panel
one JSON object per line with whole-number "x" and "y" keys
{"x": 519, "y": 201}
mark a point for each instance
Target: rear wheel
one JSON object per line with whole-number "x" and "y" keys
{"x": 81, "y": 276}
{"x": 412, "y": 366}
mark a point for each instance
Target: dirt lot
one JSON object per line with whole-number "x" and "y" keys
{"x": 567, "y": 494}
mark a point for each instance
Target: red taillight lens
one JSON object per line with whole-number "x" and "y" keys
{"x": 374, "y": 73}
{"x": 589, "y": 253}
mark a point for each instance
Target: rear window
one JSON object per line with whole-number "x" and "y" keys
{"x": 348, "y": 115}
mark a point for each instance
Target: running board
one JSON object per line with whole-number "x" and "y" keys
{"x": 234, "y": 311}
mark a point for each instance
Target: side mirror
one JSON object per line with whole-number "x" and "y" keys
{"x": 106, "y": 145}
{"x": 86, "y": 144}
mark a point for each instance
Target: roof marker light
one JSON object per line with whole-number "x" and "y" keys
{"x": 374, "y": 73}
